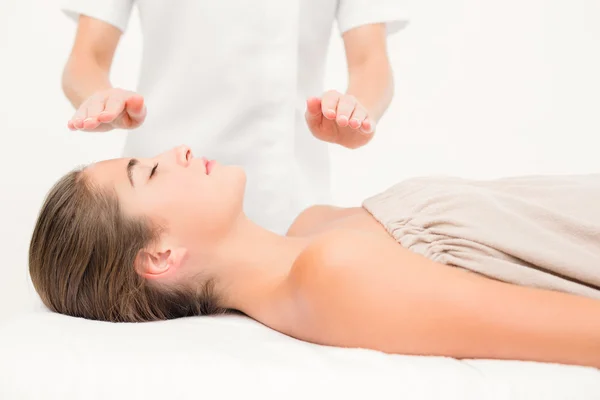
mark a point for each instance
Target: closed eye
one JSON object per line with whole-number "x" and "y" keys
{"x": 153, "y": 171}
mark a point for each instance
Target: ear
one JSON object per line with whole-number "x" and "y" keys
{"x": 159, "y": 263}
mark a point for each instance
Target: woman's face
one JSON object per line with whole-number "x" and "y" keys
{"x": 194, "y": 200}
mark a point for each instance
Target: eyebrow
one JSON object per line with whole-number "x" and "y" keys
{"x": 133, "y": 162}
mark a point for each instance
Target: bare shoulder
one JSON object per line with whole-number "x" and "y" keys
{"x": 336, "y": 253}
{"x": 334, "y": 274}
{"x": 342, "y": 259}
{"x": 316, "y": 276}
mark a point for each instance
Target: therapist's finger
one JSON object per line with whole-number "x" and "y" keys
{"x": 368, "y": 126}
{"x": 358, "y": 116}
{"x": 91, "y": 123}
{"x": 313, "y": 107}
{"x": 135, "y": 107}
{"x": 79, "y": 116}
{"x": 95, "y": 107}
{"x": 344, "y": 110}
{"x": 313, "y": 114}
{"x": 329, "y": 104}
{"x": 123, "y": 120}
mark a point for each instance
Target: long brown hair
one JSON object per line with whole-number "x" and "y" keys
{"x": 82, "y": 254}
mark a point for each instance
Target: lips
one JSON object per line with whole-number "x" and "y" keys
{"x": 208, "y": 165}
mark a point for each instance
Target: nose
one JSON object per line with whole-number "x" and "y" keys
{"x": 183, "y": 155}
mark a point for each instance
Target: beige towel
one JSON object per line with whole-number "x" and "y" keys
{"x": 539, "y": 231}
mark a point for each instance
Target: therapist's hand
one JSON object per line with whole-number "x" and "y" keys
{"x": 339, "y": 118}
{"x": 109, "y": 109}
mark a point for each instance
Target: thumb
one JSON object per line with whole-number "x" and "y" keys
{"x": 135, "y": 107}
{"x": 313, "y": 114}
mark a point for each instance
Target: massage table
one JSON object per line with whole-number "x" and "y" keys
{"x": 49, "y": 356}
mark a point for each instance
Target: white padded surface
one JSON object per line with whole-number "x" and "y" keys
{"x": 48, "y": 356}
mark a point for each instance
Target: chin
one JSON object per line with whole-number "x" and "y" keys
{"x": 236, "y": 183}
{"x": 239, "y": 175}
{"x": 241, "y": 183}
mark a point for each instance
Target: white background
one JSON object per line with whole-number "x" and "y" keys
{"x": 483, "y": 89}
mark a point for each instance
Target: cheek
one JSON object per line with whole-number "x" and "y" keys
{"x": 199, "y": 208}
{"x": 209, "y": 203}
{"x": 167, "y": 203}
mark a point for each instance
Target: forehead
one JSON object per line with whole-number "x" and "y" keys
{"x": 109, "y": 173}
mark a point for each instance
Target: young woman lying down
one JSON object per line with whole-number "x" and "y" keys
{"x": 499, "y": 269}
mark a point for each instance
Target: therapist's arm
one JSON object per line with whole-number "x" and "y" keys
{"x": 86, "y": 81}
{"x": 88, "y": 66}
{"x": 349, "y": 119}
{"x": 370, "y": 74}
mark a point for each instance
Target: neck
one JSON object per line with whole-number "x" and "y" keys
{"x": 251, "y": 265}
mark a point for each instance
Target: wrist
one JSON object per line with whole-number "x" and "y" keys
{"x": 374, "y": 94}
{"x": 79, "y": 83}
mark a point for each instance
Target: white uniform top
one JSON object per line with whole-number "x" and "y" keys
{"x": 230, "y": 79}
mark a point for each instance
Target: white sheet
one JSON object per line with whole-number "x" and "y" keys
{"x": 49, "y": 356}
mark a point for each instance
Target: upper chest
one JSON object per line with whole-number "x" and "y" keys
{"x": 317, "y": 220}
